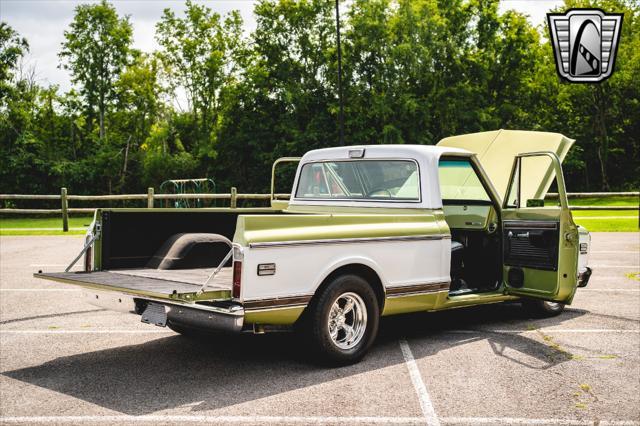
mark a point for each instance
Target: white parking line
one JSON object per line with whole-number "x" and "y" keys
{"x": 548, "y": 330}
{"x": 615, "y": 251}
{"x": 609, "y": 277}
{"x": 40, "y": 289}
{"x": 307, "y": 420}
{"x": 631, "y": 290}
{"x": 49, "y": 264}
{"x": 470, "y": 331}
{"x": 124, "y": 419}
{"x": 423, "y": 396}
{"x": 615, "y": 266}
{"x": 150, "y": 331}
{"x": 527, "y": 421}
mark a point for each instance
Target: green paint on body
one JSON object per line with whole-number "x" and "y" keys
{"x": 413, "y": 303}
{"x": 283, "y": 316}
{"x": 305, "y": 227}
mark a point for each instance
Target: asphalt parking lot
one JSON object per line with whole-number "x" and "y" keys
{"x": 63, "y": 361}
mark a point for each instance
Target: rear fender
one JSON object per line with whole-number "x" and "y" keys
{"x": 355, "y": 260}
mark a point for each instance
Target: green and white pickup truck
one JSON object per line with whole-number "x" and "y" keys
{"x": 369, "y": 231}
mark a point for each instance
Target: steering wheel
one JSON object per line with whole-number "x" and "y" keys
{"x": 373, "y": 191}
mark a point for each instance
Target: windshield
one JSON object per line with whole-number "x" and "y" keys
{"x": 395, "y": 180}
{"x": 459, "y": 181}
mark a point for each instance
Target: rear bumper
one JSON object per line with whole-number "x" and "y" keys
{"x": 583, "y": 278}
{"x": 213, "y": 317}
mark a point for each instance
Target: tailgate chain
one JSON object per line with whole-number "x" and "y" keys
{"x": 86, "y": 247}
{"x": 215, "y": 271}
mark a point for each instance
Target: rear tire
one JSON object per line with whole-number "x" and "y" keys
{"x": 542, "y": 308}
{"x": 342, "y": 323}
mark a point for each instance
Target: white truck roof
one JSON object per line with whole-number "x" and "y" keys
{"x": 427, "y": 157}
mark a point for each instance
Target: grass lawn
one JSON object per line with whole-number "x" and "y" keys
{"x": 603, "y": 223}
{"x": 44, "y": 225}
{"x": 593, "y": 220}
{"x": 609, "y": 201}
{"x": 606, "y": 220}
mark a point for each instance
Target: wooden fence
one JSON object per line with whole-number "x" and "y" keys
{"x": 150, "y": 197}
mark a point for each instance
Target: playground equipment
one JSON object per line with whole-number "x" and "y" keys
{"x": 189, "y": 186}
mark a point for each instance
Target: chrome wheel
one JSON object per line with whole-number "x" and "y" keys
{"x": 553, "y": 306}
{"x": 347, "y": 320}
{"x": 542, "y": 308}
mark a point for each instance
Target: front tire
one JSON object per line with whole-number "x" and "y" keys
{"x": 542, "y": 308}
{"x": 343, "y": 321}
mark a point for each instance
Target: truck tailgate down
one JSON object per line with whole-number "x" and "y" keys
{"x": 173, "y": 285}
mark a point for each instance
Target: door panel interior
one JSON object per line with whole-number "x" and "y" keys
{"x": 531, "y": 244}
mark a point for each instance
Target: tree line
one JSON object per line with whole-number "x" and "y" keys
{"x": 216, "y": 102}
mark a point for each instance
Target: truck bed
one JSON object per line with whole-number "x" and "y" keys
{"x": 149, "y": 282}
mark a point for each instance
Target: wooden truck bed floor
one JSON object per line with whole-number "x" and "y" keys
{"x": 156, "y": 281}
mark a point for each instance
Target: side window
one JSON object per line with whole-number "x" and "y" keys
{"x": 532, "y": 178}
{"x": 514, "y": 186}
{"x": 313, "y": 182}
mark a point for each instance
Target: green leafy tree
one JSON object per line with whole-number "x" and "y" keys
{"x": 138, "y": 107}
{"x": 201, "y": 53}
{"x": 285, "y": 102}
{"x": 12, "y": 48}
{"x": 414, "y": 71}
{"x": 95, "y": 51}
{"x": 604, "y": 118}
{"x": 165, "y": 155}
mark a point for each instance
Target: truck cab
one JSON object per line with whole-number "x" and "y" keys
{"x": 368, "y": 231}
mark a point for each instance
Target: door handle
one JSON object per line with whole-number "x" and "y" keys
{"x": 518, "y": 235}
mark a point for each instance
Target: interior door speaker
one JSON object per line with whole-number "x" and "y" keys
{"x": 516, "y": 277}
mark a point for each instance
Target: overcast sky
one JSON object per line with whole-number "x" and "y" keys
{"x": 42, "y": 22}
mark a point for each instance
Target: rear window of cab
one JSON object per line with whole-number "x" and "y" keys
{"x": 371, "y": 180}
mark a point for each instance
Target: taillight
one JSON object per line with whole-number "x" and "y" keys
{"x": 237, "y": 279}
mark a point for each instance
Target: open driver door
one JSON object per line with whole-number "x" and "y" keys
{"x": 540, "y": 242}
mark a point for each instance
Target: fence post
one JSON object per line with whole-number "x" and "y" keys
{"x": 65, "y": 211}
{"x": 234, "y": 197}
{"x": 149, "y": 198}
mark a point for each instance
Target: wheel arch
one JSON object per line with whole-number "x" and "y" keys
{"x": 360, "y": 269}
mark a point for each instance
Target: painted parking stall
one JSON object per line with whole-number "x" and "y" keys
{"x": 485, "y": 365}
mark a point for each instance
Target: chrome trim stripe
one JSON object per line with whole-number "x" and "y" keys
{"x": 351, "y": 240}
{"x": 234, "y": 310}
{"x": 406, "y": 290}
{"x": 302, "y": 301}
{"x": 276, "y": 308}
{"x": 533, "y": 224}
{"x": 278, "y": 302}
{"x": 418, "y": 293}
